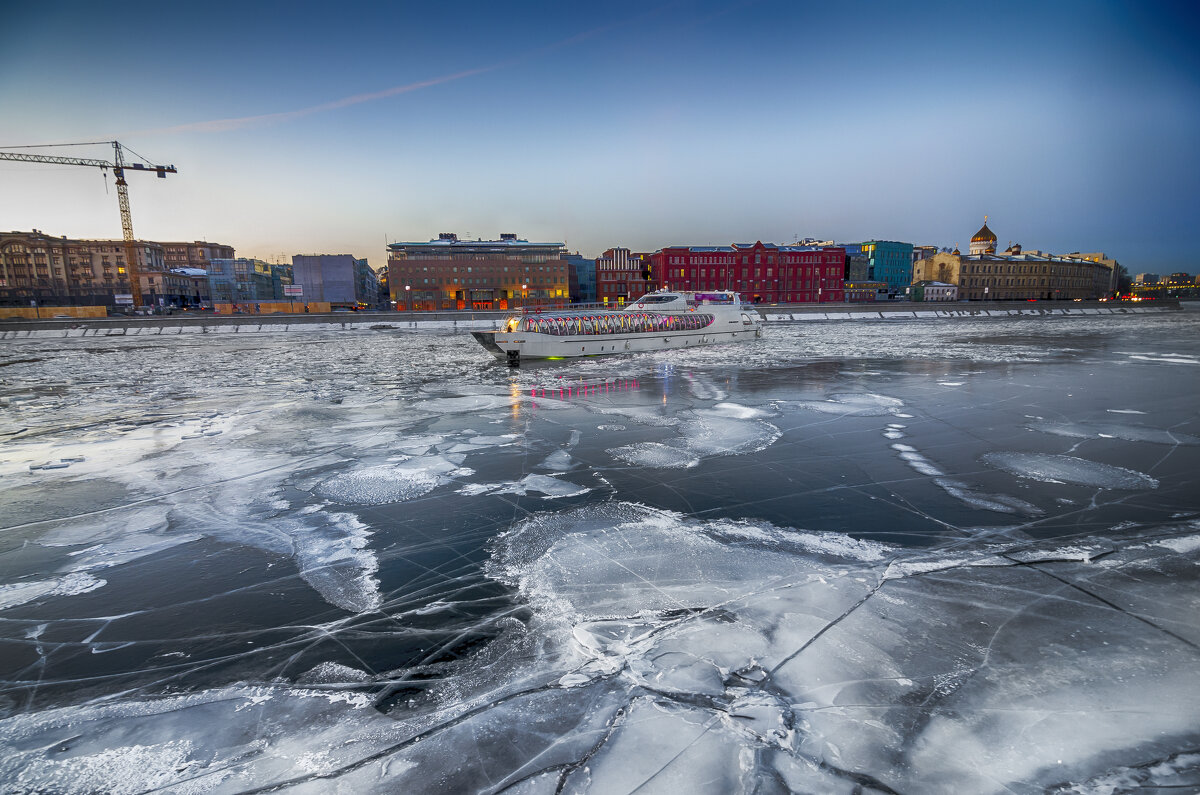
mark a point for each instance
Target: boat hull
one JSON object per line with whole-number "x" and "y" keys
{"x": 515, "y": 346}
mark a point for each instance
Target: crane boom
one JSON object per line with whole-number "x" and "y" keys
{"x": 119, "y": 167}
{"x": 64, "y": 161}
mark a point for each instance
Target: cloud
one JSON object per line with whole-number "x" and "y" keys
{"x": 242, "y": 122}
{"x": 265, "y": 119}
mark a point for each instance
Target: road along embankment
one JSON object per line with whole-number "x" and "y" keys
{"x": 932, "y": 311}
{"x": 466, "y": 321}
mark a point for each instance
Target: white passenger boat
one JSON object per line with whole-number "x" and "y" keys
{"x": 663, "y": 320}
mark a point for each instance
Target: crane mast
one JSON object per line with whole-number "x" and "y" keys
{"x": 131, "y": 265}
{"x": 119, "y": 167}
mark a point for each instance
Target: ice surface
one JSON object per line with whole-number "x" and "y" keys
{"x": 1165, "y": 358}
{"x": 1131, "y": 433}
{"x": 725, "y": 429}
{"x": 655, "y": 455}
{"x": 1182, "y": 545}
{"x": 1069, "y": 469}
{"x": 381, "y": 562}
{"x": 1177, "y": 773}
{"x": 860, "y": 404}
{"x": 20, "y": 593}
{"x": 546, "y": 485}
{"x": 713, "y": 655}
{"x": 1002, "y": 503}
{"x": 383, "y": 483}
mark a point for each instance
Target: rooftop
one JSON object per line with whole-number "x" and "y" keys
{"x": 1026, "y": 257}
{"x": 746, "y": 246}
{"x": 452, "y": 241}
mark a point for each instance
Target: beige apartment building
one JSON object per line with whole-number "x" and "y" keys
{"x": 59, "y": 271}
{"x": 195, "y": 254}
{"x": 49, "y": 270}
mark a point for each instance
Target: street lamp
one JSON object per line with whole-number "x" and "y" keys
{"x": 524, "y": 294}
{"x": 407, "y": 297}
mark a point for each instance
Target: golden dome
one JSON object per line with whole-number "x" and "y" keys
{"x": 984, "y": 235}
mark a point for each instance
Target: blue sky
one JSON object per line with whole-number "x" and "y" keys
{"x": 314, "y": 127}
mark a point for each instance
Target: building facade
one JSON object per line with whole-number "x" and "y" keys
{"x": 857, "y": 292}
{"x": 448, "y": 273}
{"x": 197, "y": 293}
{"x": 622, "y": 276}
{"x": 1016, "y": 276}
{"x": 60, "y": 271}
{"x": 858, "y": 266}
{"x": 890, "y": 262}
{"x": 581, "y": 279}
{"x": 1174, "y": 285}
{"x": 384, "y": 300}
{"x": 241, "y": 280}
{"x": 196, "y": 254}
{"x": 1115, "y": 271}
{"x": 932, "y": 291}
{"x": 340, "y": 279}
{"x": 921, "y": 252}
{"x": 760, "y": 272}
{"x": 366, "y": 284}
{"x": 36, "y": 268}
{"x": 281, "y": 277}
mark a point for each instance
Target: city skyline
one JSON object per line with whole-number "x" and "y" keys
{"x": 1071, "y": 127}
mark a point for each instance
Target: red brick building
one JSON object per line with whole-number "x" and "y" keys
{"x": 620, "y": 276}
{"x": 761, "y": 272}
{"x": 449, "y": 273}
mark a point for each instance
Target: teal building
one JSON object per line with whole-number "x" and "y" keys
{"x": 890, "y": 262}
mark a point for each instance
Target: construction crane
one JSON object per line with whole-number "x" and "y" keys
{"x": 118, "y": 166}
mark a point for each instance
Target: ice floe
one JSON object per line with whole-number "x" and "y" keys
{"x": 1002, "y": 503}
{"x": 73, "y": 584}
{"x": 546, "y": 485}
{"x": 725, "y": 429}
{"x": 1107, "y": 430}
{"x": 1069, "y": 469}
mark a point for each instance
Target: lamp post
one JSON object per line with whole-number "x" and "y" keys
{"x": 524, "y": 294}
{"x": 407, "y": 298}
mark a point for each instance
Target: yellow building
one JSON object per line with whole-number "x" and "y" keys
{"x": 1014, "y": 275}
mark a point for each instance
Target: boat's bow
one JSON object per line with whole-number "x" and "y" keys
{"x": 488, "y": 340}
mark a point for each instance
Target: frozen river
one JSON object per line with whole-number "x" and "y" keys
{"x": 933, "y": 556}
